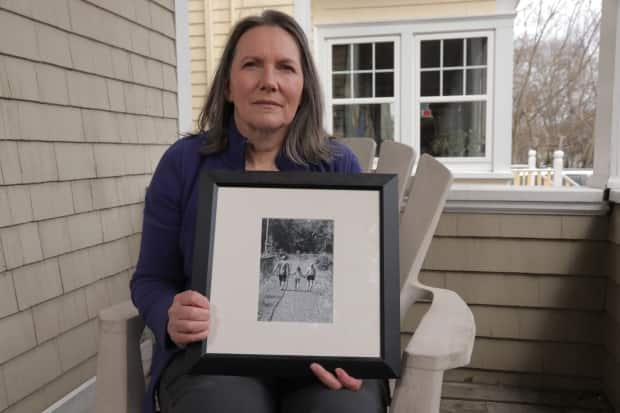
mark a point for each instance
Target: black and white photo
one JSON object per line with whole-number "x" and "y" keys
{"x": 296, "y": 270}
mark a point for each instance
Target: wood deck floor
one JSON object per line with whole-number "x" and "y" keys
{"x": 486, "y": 398}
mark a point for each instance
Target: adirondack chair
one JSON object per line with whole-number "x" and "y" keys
{"x": 396, "y": 158}
{"x": 443, "y": 340}
{"x": 364, "y": 149}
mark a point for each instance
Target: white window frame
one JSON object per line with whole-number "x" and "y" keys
{"x": 474, "y": 163}
{"x": 497, "y": 161}
{"x": 330, "y": 101}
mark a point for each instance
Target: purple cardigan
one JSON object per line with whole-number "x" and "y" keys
{"x": 165, "y": 264}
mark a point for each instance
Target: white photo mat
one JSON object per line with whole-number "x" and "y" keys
{"x": 356, "y": 327}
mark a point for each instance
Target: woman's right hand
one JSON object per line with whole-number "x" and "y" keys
{"x": 188, "y": 318}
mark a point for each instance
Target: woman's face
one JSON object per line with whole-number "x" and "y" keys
{"x": 266, "y": 80}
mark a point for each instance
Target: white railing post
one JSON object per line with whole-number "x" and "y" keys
{"x": 531, "y": 159}
{"x": 558, "y": 166}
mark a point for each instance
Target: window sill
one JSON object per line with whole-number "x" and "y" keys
{"x": 504, "y": 199}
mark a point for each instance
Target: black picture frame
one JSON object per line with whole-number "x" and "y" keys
{"x": 385, "y": 361}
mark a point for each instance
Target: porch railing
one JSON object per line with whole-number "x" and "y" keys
{"x": 550, "y": 176}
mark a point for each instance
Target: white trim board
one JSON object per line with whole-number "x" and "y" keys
{"x": 80, "y": 400}
{"x": 184, "y": 76}
{"x": 526, "y": 200}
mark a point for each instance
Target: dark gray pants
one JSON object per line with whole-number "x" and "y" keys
{"x": 184, "y": 393}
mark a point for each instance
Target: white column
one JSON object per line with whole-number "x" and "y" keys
{"x": 303, "y": 15}
{"x": 505, "y": 6}
{"x": 502, "y": 119}
{"x": 184, "y": 75}
{"x": 607, "y": 124}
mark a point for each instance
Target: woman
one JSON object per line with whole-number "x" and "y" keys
{"x": 264, "y": 110}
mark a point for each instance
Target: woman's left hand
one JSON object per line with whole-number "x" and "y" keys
{"x": 338, "y": 381}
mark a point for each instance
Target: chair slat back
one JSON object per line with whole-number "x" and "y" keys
{"x": 364, "y": 149}
{"x": 418, "y": 223}
{"x": 397, "y": 158}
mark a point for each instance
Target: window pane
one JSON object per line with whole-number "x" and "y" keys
{"x": 384, "y": 55}
{"x": 362, "y": 54}
{"x": 373, "y": 120}
{"x": 452, "y": 82}
{"x": 477, "y": 51}
{"x": 362, "y": 85}
{"x": 453, "y": 129}
{"x": 429, "y": 83}
{"x": 341, "y": 57}
{"x": 429, "y": 53}
{"x": 453, "y": 52}
{"x": 476, "y": 81}
{"x": 384, "y": 84}
{"x": 341, "y": 88}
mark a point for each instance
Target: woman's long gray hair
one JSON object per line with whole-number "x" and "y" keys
{"x": 306, "y": 139}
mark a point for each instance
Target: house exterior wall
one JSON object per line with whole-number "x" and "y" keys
{"x": 536, "y": 285}
{"x": 210, "y": 23}
{"x": 350, "y": 11}
{"x": 87, "y": 106}
{"x": 612, "y": 337}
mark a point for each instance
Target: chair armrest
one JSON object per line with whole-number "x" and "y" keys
{"x": 120, "y": 378}
{"x": 445, "y": 337}
{"x": 443, "y": 340}
{"x": 121, "y": 317}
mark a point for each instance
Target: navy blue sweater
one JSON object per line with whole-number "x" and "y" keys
{"x": 165, "y": 264}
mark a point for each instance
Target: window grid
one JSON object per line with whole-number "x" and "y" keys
{"x": 460, "y": 98}
{"x": 464, "y": 68}
{"x": 351, "y": 72}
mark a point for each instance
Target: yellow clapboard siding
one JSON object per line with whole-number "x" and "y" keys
{"x": 220, "y": 16}
{"x": 220, "y": 4}
{"x": 250, "y": 11}
{"x": 196, "y": 17}
{"x": 219, "y": 40}
{"x": 198, "y": 53}
{"x": 198, "y": 65}
{"x": 263, "y": 3}
{"x": 353, "y": 4}
{"x": 197, "y": 29}
{"x": 324, "y": 11}
{"x": 196, "y": 5}
{"x": 199, "y": 77}
{"x": 221, "y": 28}
{"x": 199, "y": 91}
{"x": 197, "y": 101}
{"x": 196, "y": 41}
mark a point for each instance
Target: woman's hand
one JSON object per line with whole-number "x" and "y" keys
{"x": 340, "y": 380}
{"x": 188, "y": 318}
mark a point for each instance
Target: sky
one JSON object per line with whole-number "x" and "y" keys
{"x": 529, "y": 26}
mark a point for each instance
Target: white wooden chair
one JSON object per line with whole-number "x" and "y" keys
{"x": 443, "y": 340}
{"x": 364, "y": 149}
{"x": 396, "y": 158}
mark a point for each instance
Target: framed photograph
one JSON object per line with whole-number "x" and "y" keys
{"x": 299, "y": 267}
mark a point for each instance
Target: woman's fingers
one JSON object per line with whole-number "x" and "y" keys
{"x": 188, "y": 317}
{"x": 192, "y": 298}
{"x": 340, "y": 380}
{"x": 181, "y": 338}
{"x": 325, "y": 376}
{"x": 184, "y": 312}
{"x": 347, "y": 381}
{"x": 189, "y": 327}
